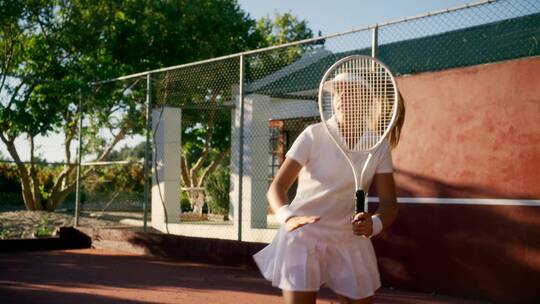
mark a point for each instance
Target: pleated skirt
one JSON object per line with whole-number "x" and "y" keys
{"x": 307, "y": 258}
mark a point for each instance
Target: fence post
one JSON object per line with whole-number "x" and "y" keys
{"x": 79, "y": 157}
{"x": 374, "y": 40}
{"x": 241, "y": 147}
{"x": 146, "y": 149}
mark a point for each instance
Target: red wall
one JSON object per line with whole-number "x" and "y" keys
{"x": 469, "y": 133}
{"x": 472, "y": 132}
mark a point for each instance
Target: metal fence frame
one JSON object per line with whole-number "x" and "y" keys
{"x": 241, "y": 56}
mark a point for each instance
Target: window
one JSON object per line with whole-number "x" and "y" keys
{"x": 278, "y": 144}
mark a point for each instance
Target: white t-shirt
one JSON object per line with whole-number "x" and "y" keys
{"x": 326, "y": 182}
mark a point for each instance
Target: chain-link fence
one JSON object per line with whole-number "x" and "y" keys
{"x": 111, "y": 172}
{"x": 219, "y": 129}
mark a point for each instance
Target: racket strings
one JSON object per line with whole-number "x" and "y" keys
{"x": 361, "y": 99}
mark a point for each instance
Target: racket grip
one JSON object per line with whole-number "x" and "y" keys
{"x": 360, "y": 197}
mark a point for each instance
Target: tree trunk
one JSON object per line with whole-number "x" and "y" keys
{"x": 197, "y": 197}
{"x": 194, "y": 180}
{"x": 38, "y": 197}
{"x": 26, "y": 183}
{"x": 59, "y": 197}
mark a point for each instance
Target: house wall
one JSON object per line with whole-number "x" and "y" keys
{"x": 289, "y": 108}
{"x": 468, "y": 173}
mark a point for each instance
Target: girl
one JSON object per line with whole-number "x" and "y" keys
{"x": 318, "y": 243}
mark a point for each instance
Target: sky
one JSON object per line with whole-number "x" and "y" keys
{"x": 329, "y": 17}
{"x": 336, "y": 16}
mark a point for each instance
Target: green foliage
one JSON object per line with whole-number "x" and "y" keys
{"x": 11, "y": 201}
{"x": 43, "y": 230}
{"x": 185, "y": 204}
{"x": 10, "y": 186}
{"x": 117, "y": 178}
{"x": 283, "y": 29}
{"x": 137, "y": 35}
{"x": 46, "y": 177}
{"x": 217, "y": 191}
{"x": 31, "y": 60}
{"x": 9, "y": 179}
{"x": 128, "y": 153}
{"x": 194, "y": 133}
{"x": 110, "y": 179}
{"x": 3, "y": 233}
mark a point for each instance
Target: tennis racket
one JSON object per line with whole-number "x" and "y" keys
{"x": 358, "y": 101}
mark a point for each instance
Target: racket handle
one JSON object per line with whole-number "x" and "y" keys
{"x": 360, "y": 197}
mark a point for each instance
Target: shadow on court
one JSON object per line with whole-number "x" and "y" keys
{"x": 107, "y": 276}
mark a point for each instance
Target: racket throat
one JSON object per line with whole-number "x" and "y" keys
{"x": 360, "y": 200}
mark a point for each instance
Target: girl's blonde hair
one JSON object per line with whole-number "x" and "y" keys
{"x": 395, "y": 133}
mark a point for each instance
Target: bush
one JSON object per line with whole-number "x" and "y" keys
{"x": 9, "y": 179}
{"x": 115, "y": 178}
{"x": 11, "y": 201}
{"x": 217, "y": 191}
{"x": 106, "y": 180}
{"x": 185, "y": 204}
{"x": 10, "y": 185}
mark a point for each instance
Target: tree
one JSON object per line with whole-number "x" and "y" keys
{"x": 30, "y": 49}
{"x": 206, "y": 119}
{"x": 283, "y": 29}
{"x": 50, "y": 50}
{"x": 128, "y": 153}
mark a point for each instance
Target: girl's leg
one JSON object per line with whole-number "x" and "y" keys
{"x": 345, "y": 300}
{"x": 299, "y": 297}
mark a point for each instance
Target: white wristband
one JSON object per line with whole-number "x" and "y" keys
{"x": 283, "y": 214}
{"x": 377, "y": 225}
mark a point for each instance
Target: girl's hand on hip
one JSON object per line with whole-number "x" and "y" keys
{"x": 295, "y": 222}
{"x": 362, "y": 224}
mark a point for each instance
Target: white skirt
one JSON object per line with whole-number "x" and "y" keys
{"x": 305, "y": 259}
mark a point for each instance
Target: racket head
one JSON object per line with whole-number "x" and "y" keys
{"x": 358, "y": 102}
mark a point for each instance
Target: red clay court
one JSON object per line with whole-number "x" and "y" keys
{"x": 112, "y": 276}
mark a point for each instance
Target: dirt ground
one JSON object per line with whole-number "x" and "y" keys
{"x": 23, "y": 224}
{"x": 106, "y": 276}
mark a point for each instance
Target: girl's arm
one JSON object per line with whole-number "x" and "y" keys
{"x": 286, "y": 175}
{"x": 386, "y": 191}
{"x": 277, "y": 193}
